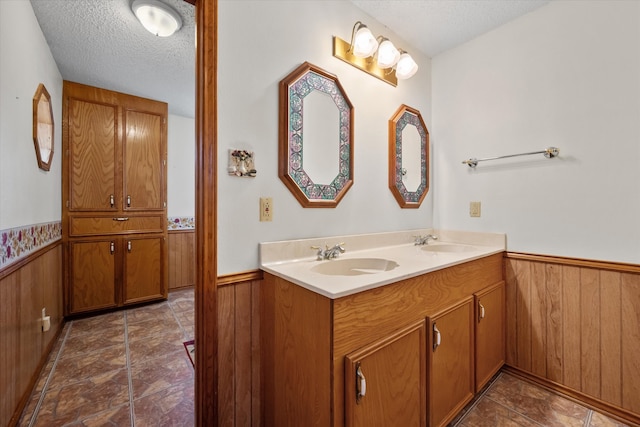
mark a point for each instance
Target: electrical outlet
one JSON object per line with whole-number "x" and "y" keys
{"x": 474, "y": 209}
{"x": 266, "y": 209}
{"x": 46, "y": 321}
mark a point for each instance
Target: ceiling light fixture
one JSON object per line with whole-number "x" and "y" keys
{"x": 158, "y": 18}
{"x": 376, "y": 56}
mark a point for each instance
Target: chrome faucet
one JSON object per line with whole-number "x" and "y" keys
{"x": 329, "y": 253}
{"x": 424, "y": 240}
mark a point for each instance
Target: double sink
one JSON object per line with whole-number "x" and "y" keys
{"x": 358, "y": 266}
{"x": 373, "y": 260}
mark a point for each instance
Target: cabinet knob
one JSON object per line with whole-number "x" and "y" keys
{"x": 121, "y": 218}
{"x": 361, "y": 383}
{"x": 128, "y": 201}
{"x": 480, "y": 311}
{"x": 437, "y": 337}
{"x": 129, "y": 245}
{"x": 112, "y": 248}
{"x": 112, "y": 200}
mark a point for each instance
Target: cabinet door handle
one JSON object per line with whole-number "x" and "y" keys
{"x": 361, "y": 383}
{"x": 112, "y": 200}
{"x": 128, "y": 201}
{"x": 112, "y": 248}
{"x": 129, "y": 245}
{"x": 121, "y": 218}
{"x": 481, "y": 311}
{"x": 437, "y": 337}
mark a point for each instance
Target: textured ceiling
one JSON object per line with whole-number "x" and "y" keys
{"x": 101, "y": 43}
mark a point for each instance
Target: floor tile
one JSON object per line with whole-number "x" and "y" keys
{"x": 170, "y": 407}
{"x": 94, "y": 367}
{"x": 148, "y": 328}
{"x": 189, "y": 332}
{"x": 79, "y": 345}
{"x": 487, "y": 413}
{"x": 600, "y": 420}
{"x": 143, "y": 350}
{"x": 96, "y": 323}
{"x": 155, "y": 375}
{"x": 28, "y": 411}
{"x": 114, "y": 417}
{"x": 156, "y": 312}
{"x": 82, "y": 399}
{"x": 183, "y": 304}
{"x": 536, "y": 403}
{"x": 74, "y": 368}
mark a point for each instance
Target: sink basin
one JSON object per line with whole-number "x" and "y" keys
{"x": 448, "y": 247}
{"x": 354, "y": 266}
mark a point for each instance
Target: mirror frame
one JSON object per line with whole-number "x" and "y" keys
{"x": 404, "y": 116}
{"x": 293, "y": 88}
{"x": 45, "y": 116}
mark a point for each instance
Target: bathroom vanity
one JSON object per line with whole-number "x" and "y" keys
{"x": 389, "y": 333}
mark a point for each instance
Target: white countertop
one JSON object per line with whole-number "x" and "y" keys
{"x": 295, "y": 261}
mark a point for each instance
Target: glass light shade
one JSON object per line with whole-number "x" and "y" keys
{"x": 388, "y": 55}
{"x": 158, "y": 18}
{"x": 406, "y": 66}
{"x": 364, "y": 43}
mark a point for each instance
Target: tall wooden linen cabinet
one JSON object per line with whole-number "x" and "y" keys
{"x": 114, "y": 192}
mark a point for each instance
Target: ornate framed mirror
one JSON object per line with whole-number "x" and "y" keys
{"x": 408, "y": 157}
{"x": 43, "y": 127}
{"x": 315, "y": 155}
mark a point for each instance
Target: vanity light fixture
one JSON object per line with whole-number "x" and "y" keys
{"x": 406, "y": 66}
{"x": 375, "y": 55}
{"x": 158, "y": 18}
{"x": 387, "y": 55}
{"x": 363, "y": 42}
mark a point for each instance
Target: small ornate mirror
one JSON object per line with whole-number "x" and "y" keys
{"x": 315, "y": 158}
{"x": 408, "y": 157}
{"x": 43, "y": 127}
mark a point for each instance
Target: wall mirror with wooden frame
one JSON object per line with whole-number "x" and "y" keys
{"x": 315, "y": 155}
{"x": 43, "y": 127}
{"x": 408, "y": 157}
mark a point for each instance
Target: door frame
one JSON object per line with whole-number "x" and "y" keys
{"x": 206, "y": 326}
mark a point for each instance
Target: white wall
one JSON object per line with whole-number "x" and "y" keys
{"x": 260, "y": 44}
{"x": 181, "y": 153}
{"x": 565, "y": 75}
{"x": 28, "y": 195}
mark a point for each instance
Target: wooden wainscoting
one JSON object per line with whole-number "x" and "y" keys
{"x": 239, "y": 349}
{"x": 575, "y": 325}
{"x": 182, "y": 259}
{"x": 26, "y": 287}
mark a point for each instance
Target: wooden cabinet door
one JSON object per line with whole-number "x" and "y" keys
{"x": 490, "y": 332}
{"x": 451, "y": 378}
{"x": 92, "y": 275}
{"x": 144, "y": 148}
{"x": 391, "y": 376}
{"x": 143, "y": 269}
{"x": 92, "y": 149}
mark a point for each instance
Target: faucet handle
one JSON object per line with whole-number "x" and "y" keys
{"x": 423, "y": 240}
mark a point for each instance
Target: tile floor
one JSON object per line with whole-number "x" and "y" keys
{"x": 510, "y": 402}
{"x": 130, "y": 368}
{"x": 123, "y": 368}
